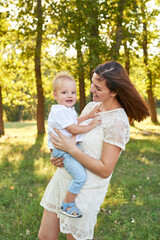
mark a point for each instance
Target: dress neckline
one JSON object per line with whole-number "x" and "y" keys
{"x": 116, "y": 109}
{"x": 120, "y": 108}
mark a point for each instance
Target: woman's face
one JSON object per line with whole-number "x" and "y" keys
{"x": 99, "y": 90}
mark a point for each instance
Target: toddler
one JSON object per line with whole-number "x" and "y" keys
{"x": 64, "y": 117}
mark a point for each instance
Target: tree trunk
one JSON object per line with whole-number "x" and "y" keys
{"x": 151, "y": 102}
{"x": 80, "y": 61}
{"x": 20, "y": 110}
{"x": 152, "y": 105}
{"x": 127, "y": 58}
{"x": 40, "y": 104}
{"x": 119, "y": 31}
{"x": 1, "y": 114}
{"x": 93, "y": 41}
{"x": 80, "y": 66}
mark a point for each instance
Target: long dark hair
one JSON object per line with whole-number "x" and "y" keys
{"x": 118, "y": 81}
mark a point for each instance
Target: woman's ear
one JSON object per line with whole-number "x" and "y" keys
{"x": 113, "y": 94}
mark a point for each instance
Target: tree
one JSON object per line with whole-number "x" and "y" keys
{"x": 119, "y": 31}
{"x": 3, "y": 30}
{"x": 29, "y": 17}
{"x": 78, "y": 26}
{"x": 97, "y": 30}
{"x": 1, "y": 114}
{"x": 40, "y": 104}
{"x": 80, "y": 60}
{"x": 70, "y": 21}
{"x": 19, "y": 89}
{"x": 129, "y": 26}
{"x": 80, "y": 70}
{"x": 92, "y": 25}
{"x": 149, "y": 83}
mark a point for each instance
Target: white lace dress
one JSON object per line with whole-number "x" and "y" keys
{"x": 114, "y": 129}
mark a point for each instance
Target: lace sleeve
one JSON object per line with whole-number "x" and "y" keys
{"x": 117, "y": 133}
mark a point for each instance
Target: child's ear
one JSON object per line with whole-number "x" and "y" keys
{"x": 55, "y": 95}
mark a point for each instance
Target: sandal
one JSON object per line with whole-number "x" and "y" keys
{"x": 72, "y": 211}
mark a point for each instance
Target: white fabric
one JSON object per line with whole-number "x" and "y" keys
{"x": 61, "y": 117}
{"x": 115, "y": 130}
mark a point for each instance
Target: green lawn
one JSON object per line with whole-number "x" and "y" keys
{"x": 131, "y": 207}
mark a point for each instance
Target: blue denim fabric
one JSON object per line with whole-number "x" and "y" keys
{"x": 74, "y": 168}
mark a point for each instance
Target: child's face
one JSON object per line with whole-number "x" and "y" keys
{"x": 66, "y": 93}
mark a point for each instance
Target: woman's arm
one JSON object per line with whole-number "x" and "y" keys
{"x": 103, "y": 167}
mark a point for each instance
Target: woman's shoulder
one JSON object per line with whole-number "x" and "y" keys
{"x": 116, "y": 128}
{"x": 115, "y": 117}
{"x": 120, "y": 114}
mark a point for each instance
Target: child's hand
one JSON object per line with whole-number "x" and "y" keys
{"x": 94, "y": 112}
{"x": 94, "y": 123}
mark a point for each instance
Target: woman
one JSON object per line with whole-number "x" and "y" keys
{"x": 119, "y": 103}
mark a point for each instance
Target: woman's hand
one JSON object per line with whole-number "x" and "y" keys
{"x": 57, "y": 162}
{"x": 63, "y": 143}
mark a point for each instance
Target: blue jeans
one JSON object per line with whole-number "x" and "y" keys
{"x": 74, "y": 168}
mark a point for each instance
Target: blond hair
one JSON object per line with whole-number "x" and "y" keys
{"x": 61, "y": 76}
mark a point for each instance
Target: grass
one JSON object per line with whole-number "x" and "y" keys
{"x": 131, "y": 207}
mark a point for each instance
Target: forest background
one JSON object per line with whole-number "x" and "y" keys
{"x": 40, "y": 38}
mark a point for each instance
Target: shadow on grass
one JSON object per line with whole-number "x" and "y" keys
{"x": 20, "y": 199}
{"x": 19, "y": 124}
{"x": 31, "y": 155}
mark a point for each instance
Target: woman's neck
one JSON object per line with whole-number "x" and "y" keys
{"x": 107, "y": 106}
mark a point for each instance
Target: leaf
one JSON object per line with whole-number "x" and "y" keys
{"x": 27, "y": 232}
{"x": 12, "y": 188}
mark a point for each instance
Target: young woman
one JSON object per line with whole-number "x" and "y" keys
{"x": 119, "y": 103}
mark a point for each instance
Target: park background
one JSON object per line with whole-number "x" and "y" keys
{"x": 37, "y": 40}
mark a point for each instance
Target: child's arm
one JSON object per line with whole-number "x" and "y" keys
{"x": 77, "y": 129}
{"x": 91, "y": 114}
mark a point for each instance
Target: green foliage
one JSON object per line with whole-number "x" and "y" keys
{"x": 19, "y": 92}
{"x": 155, "y": 68}
{"x": 88, "y": 26}
{"x": 138, "y": 76}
